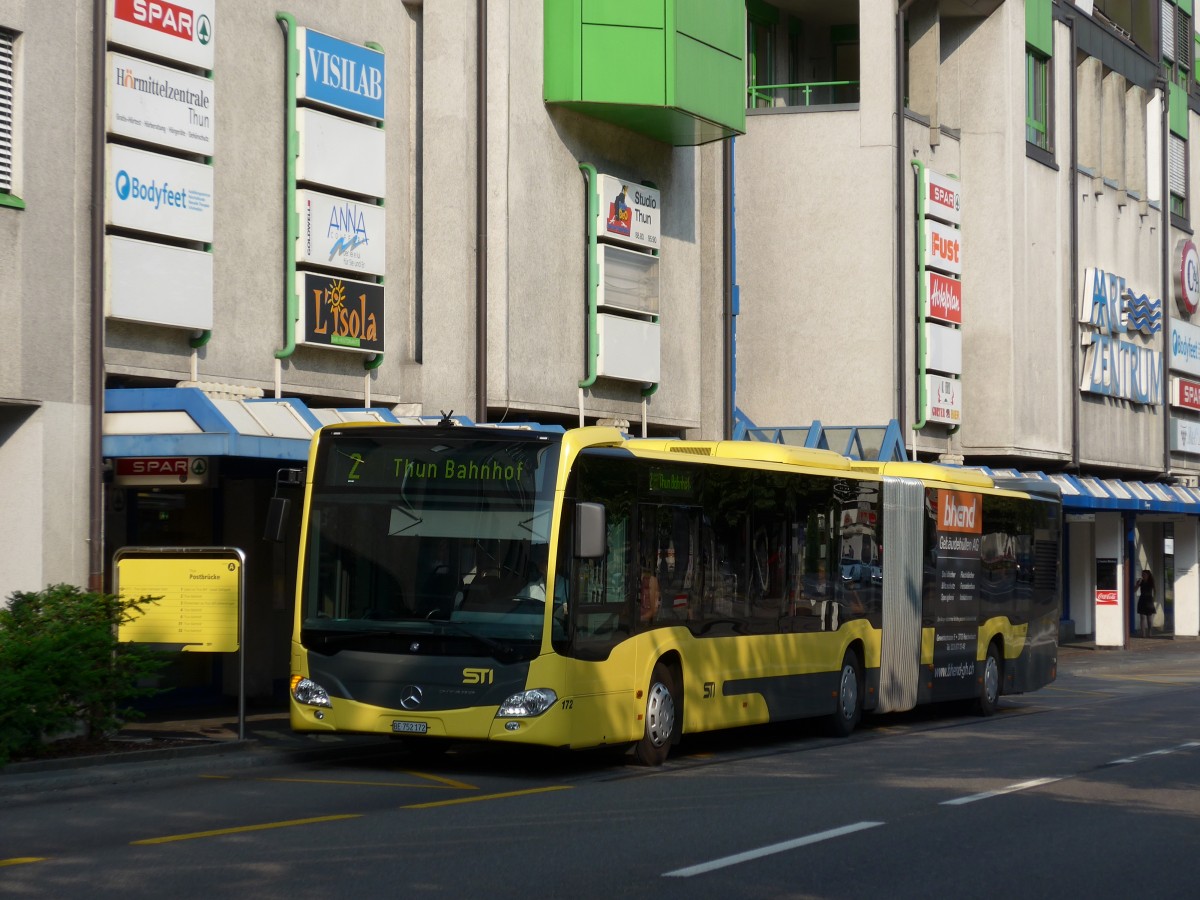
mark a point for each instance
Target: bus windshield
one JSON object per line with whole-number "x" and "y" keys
{"x": 414, "y": 534}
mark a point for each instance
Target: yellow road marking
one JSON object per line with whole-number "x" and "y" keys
{"x": 449, "y": 782}
{"x": 241, "y": 829}
{"x": 1061, "y": 690}
{"x": 366, "y": 783}
{"x": 557, "y": 787}
{"x": 21, "y": 860}
{"x": 442, "y": 782}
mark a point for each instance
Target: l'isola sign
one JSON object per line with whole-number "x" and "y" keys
{"x": 340, "y": 313}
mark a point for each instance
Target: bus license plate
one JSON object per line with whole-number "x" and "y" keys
{"x": 410, "y": 727}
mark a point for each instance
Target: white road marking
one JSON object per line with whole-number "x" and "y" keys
{"x": 1125, "y": 760}
{"x": 1012, "y": 788}
{"x": 724, "y": 861}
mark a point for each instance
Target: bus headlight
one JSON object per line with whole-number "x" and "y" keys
{"x": 527, "y": 703}
{"x": 308, "y": 692}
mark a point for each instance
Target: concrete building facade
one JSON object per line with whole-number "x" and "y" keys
{"x": 473, "y": 212}
{"x": 971, "y": 218}
{"x": 1060, "y": 129}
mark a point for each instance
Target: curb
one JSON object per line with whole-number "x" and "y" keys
{"x": 38, "y": 776}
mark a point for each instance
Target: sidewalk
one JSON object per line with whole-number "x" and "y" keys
{"x": 1086, "y": 656}
{"x": 177, "y": 743}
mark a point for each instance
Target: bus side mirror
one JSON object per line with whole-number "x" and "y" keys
{"x": 277, "y": 519}
{"x": 277, "y": 512}
{"x": 590, "y": 531}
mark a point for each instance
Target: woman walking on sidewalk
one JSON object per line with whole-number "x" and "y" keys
{"x": 1146, "y": 605}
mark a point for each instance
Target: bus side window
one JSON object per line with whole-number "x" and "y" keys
{"x": 601, "y": 595}
{"x": 603, "y": 592}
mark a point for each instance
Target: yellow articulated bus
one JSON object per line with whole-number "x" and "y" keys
{"x": 584, "y": 589}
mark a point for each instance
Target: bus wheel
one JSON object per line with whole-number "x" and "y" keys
{"x": 849, "y": 697}
{"x": 655, "y": 744}
{"x": 989, "y": 691}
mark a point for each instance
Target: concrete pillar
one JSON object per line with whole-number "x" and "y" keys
{"x": 1082, "y": 568}
{"x": 1187, "y": 578}
{"x": 1135, "y": 141}
{"x": 1111, "y": 612}
{"x": 924, "y": 59}
{"x": 1087, "y": 81}
{"x": 1112, "y": 129}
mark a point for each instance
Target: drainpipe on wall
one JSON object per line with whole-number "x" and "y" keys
{"x": 901, "y": 174}
{"x": 1166, "y": 274}
{"x": 96, "y": 399}
{"x": 481, "y": 185}
{"x": 291, "y": 218}
{"x": 1073, "y": 252}
{"x": 730, "y": 276}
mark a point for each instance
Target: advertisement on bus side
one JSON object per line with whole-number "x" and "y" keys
{"x": 956, "y": 603}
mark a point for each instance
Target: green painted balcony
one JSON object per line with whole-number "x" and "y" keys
{"x": 673, "y": 70}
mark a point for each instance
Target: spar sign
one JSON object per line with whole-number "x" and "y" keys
{"x": 943, "y": 197}
{"x": 181, "y": 30}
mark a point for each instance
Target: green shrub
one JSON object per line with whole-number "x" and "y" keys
{"x": 63, "y": 669}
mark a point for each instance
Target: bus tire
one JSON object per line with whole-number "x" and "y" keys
{"x": 849, "y": 696}
{"x": 661, "y": 721}
{"x": 989, "y": 688}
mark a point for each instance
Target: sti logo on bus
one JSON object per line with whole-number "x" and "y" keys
{"x": 477, "y": 676}
{"x": 959, "y": 512}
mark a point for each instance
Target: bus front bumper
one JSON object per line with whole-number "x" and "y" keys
{"x": 550, "y": 729}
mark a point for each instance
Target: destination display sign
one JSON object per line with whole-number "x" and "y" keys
{"x": 447, "y": 469}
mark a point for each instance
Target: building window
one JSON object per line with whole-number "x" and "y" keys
{"x": 1177, "y": 38}
{"x": 1177, "y": 175}
{"x": 1037, "y": 100}
{"x": 7, "y": 40}
{"x": 760, "y": 61}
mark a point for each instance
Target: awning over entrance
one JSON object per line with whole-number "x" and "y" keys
{"x": 1083, "y": 493}
{"x": 188, "y": 422}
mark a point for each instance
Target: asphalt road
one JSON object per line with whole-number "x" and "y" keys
{"x": 1090, "y": 787}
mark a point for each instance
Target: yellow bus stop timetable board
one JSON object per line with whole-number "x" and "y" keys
{"x": 199, "y": 605}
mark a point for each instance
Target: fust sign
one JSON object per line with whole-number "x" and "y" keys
{"x": 943, "y": 247}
